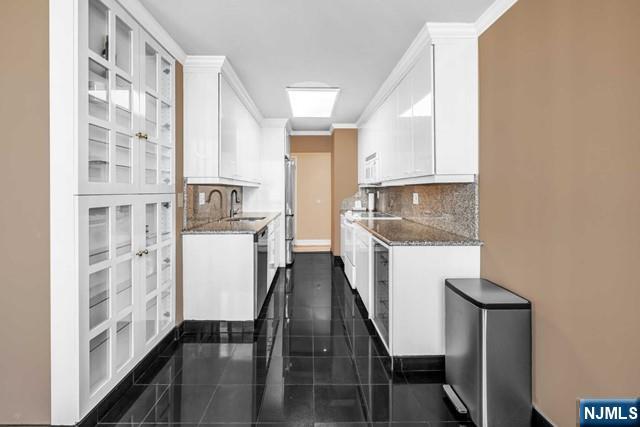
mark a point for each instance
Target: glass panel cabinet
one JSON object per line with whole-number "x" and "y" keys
{"x": 113, "y": 134}
{"x": 126, "y": 279}
{"x": 126, "y": 112}
{"x": 381, "y": 289}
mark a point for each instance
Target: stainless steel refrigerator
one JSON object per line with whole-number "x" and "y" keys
{"x": 289, "y": 207}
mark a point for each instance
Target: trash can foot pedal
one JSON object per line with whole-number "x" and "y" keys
{"x": 455, "y": 400}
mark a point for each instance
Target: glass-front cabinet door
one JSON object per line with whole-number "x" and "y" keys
{"x": 126, "y": 278}
{"x": 107, "y": 146}
{"x": 107, "y": 280}
{"x": 156, "y": 106}
{"x": 126, "y": 115}
{"x": 158, "y": 267}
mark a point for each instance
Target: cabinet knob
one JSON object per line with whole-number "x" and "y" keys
{"x": 142, "y": 252}
{"x": 142, "y": 135}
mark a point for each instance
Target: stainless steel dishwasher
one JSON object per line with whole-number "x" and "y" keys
{"x": 260, "y": 287}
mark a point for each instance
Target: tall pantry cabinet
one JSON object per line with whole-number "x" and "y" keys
{"x": 115, "y": 291}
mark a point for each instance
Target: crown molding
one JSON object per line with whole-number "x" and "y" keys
{"x": 451, "y": 30}
{"x": 310, "y": 133}
{"x": 422, "y": 40}
{"x": 232, "y": 78}
{"x": 492, "y": 14}
{"x": 153, "y": 27}
{"x": 335, "y": 126}
{"x": 203, "y": 63}
{"x": 433, "y": 32}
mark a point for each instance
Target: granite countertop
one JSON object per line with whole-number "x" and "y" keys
{"x": 234, "y": 227}
{"x": 402, "y": 232}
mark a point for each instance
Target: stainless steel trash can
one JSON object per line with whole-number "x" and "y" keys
{"x": 488, "y": 351}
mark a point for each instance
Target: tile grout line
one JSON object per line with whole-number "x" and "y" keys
{"x": 215, "y": 390}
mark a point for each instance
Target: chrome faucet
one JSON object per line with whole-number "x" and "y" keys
{"x": 212, "y": 207}
{"x": 233, "y": 199}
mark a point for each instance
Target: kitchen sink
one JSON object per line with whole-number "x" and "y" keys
{"x": 246, "y": 218}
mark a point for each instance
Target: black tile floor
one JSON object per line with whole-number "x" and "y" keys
{"x": 313, "y": 361}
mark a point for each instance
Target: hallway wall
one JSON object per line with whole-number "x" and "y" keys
{"x": 24, "y": 218}
{"x": 559, "y": 205}
{"x": 313, "y": 198}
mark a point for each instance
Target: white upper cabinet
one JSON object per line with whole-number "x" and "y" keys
{"x": 125, "y": 109}
{"x": 425, "y": 128}
{"x": 422, "y": 114}
{"x": 222, "y": 126}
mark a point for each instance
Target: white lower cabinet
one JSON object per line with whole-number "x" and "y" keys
{"x": 403, "y": 290}
{"x": 126, "y": 257}
{"x": 219, "y": 276}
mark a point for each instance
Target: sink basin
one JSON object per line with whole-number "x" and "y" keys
{"x": 246, "y": 218}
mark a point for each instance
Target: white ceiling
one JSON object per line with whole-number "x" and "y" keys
{"x": 353, "y": 44}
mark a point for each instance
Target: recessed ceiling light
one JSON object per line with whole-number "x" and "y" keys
{"x": 312, "y": 101}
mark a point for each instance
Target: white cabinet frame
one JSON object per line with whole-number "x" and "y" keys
{"x": 71, "y": 192}
{"x": 138, "y": 255}
{"x": 222, "y": 133}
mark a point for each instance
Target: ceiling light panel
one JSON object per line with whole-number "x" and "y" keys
{"x": 315, "y": 102}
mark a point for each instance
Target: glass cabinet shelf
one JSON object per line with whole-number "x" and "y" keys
{"x": 98, "y": 297}
{"x": 165, "y": 309}
{"x": 98, "y": 235}
{"x": 165, "y": 221}
{"x": 151, "y": 276}
{"x": 123, "y": 45}
{"x": 123, "y": 230}
{"x": 98, "y": 28}
{"x": 151, "y": 228}
{"x": 165, "y": 79}
{"x": 151, "y": 313}
{"x": 124, "y": 337}
{"x": 98, "y": 91}
{"x": 165, "y": 269}
{"x": 123, "y": 285}
{"x": 151, "y": 66}
{"x": 98, "y": 360}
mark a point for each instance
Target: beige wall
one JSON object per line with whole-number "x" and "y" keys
{"x": 559, "y": 200}
{"x": 24, "y": 217}
{"x": 313, "y": 196}
{"x": 311, "y": 144}
{"x": 179, "y": 186}
{"x": 344, "y": 175}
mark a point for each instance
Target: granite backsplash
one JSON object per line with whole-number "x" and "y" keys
{"x": 216, "y": 203}
{"x": 449, "y": 207}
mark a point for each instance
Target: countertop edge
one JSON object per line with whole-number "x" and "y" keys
{"x": 270, "y": 217}
{"x": 465, "y": 242}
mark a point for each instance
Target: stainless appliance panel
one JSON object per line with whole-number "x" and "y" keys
{"x": 488, "y": 359}
{"x": 289, "y": 252}
{"x": 261, "y": 285}
{"x": 289, "y": 227}
{"x": 290, "y": 186}
{"x": 463, "y": 350}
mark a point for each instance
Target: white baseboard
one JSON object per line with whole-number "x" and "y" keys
{"x": 312, "y": 242}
